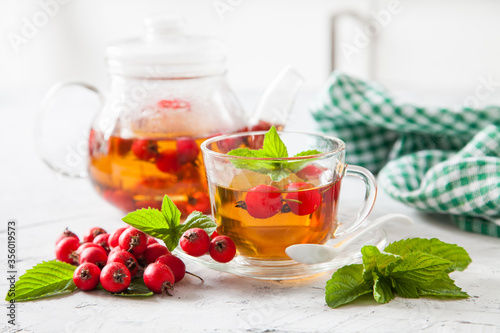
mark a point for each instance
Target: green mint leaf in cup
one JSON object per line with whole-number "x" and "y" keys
{"x": 165, "y": 224}
{"x": 307, "y": 153}
{"x": 346, "y": 285}
{"x": 50, "y": 278}
{"x": 262, "y": 166}
{"x": 273, "y": 147}
{"x": 279, "y": 175}
{"x": 296, "y": 166}
{"x": 408, "y": 268}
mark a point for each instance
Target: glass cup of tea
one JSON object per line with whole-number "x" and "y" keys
{"x": 267, "y": 204}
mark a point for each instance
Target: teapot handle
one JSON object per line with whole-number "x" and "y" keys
{"x": 60, "y": 137}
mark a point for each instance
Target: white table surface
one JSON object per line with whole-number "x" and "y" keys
{"x": 44, "y": 203}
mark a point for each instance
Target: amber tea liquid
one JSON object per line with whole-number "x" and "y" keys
{"x": 131, "y": 183}
{"x": 267, "y": 239}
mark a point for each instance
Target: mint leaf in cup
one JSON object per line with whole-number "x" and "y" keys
{"x": 273, "y": 148}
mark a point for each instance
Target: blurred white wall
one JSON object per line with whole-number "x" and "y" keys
{"x": 430, "y": 46}
{"x": 262, "y": 37}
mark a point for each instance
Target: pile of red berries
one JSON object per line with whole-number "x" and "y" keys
{"x": 114, "y": 259}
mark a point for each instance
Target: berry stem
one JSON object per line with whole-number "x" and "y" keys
{"x": 134, "y": 241}
{"x": 75, "y": 257}
{"x": 192, "y": 274}
{"x": 292, "y": 200}
{"x": 166, "y": 287}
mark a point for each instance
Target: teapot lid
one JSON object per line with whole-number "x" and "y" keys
{"x": 166, "y": 51}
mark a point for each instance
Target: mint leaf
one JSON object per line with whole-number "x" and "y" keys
{"x": 346, "y": 285}
{"x": 296, "y": 166}
{"x": 50, "y": 278}
{"x": 308, "y": 153}
{"x": 153, "y": 222}
{"x": 382, "y": 292}
{"x": 273, "y": 146}
{"x": 279, "y": 175}
{"x": 171, "y": 239}
{"x": 198, "y": 220}
{"x": 137, "y": 288}
{"x": 442, "y": 287}
{"x": 247, "y": 152}
{"x": 255, "y": 165}
{"x": 374, "y": 260}
{"x": 165, "y": 225}
{"x": 420, "y": 267}
{"x": 405, "y": 288}
{"x": 150, "y": 221}
{"x": 171, "y": 212}
{"x": 457, "y": 255}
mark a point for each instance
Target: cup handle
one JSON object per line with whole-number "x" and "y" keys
{"x": 66, "y": 158}
{"x": 370, "y": 195}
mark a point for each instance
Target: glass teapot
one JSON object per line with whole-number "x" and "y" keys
{"x": 168, "y": 93}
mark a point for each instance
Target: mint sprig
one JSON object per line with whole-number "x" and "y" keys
{"x": 409, "y": 268}
{"x": 165, "y": 224}
{"x": 50, "y": 278}
{"x": 273, "y": 147}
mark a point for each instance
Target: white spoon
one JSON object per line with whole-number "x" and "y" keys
{"x": 314, "y": 253}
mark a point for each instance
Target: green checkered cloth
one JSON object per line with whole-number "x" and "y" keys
{"x": 434, "y": 159}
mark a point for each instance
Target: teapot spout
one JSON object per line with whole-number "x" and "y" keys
{"x": 276, "y": 103}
